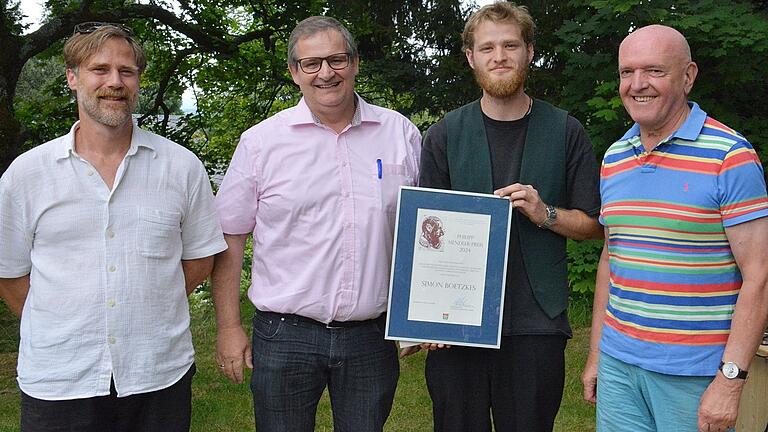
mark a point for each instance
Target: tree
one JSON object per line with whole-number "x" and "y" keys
{"x": 232, "y": 54}
{"x": 202, "y": 26}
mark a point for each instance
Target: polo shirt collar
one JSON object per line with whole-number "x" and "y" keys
{"x": 66, "y": 146}
{"x": 688, "y": 131}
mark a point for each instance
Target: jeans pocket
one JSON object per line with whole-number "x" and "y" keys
{"x": 266, "y": 327}
{"x": 381, "y": 326}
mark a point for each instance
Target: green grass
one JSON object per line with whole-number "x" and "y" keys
{"x": 9, "y": 393}
{"x": 219, "y": 405}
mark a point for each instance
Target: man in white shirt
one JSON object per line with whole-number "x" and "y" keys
{"x": 104, "y": 232}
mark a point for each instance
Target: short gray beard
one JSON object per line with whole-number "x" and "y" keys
{"x": 107, "y": 117}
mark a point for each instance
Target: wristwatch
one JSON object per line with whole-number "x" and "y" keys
{"x": 732, "y": 371}
{"x": 551, "y": 216}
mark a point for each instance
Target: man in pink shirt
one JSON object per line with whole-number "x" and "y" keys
{"x": 316, "y": 185}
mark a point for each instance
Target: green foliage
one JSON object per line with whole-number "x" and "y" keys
{"x": 582, "y": 265}
{"x": 171, "y": 102}
{"x": 43, "y": 100}
{"x": 10, "y": 16}
{"x": 412, "y": 61}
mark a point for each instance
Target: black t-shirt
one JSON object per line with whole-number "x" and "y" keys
{"x": 506, "y": 139}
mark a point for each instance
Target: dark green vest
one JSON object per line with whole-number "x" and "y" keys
{"x": 543, "y": 166}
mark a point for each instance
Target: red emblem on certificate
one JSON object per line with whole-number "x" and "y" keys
{"x": 431, "y": 233}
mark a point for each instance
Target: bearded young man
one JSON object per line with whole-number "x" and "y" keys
{"x": 104, "y": 232}
{"x": 540, "y": 158}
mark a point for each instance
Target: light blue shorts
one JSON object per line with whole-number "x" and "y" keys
{"x": 632, "y": 399}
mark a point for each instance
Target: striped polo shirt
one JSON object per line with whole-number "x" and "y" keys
{"x": 673, "y": 280}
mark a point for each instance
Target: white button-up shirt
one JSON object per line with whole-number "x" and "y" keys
{"x": 107, "y": 295}
{"x": 321, "y": 206}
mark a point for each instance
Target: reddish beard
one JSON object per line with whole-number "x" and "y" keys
{"x": 502, "y": 87}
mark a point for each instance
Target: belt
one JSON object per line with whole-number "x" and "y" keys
{"x": 295, "y": 319}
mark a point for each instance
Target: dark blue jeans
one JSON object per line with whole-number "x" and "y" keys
{"x": 294, "y": 361}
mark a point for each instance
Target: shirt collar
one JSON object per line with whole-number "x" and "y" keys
{"x": 363, "y": 113}
{"x": 689, "y": 130}
{"x": 66, "y": 147}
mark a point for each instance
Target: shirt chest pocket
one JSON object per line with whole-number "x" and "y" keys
{"x": 159, "y": 232}
{"x": 387, "y": 182}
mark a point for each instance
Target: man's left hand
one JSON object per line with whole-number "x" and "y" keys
{"x": 719, "y": 405}
{"x": 525, "y": 198}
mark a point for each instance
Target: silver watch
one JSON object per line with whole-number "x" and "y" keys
{"x": 551, "y": 216}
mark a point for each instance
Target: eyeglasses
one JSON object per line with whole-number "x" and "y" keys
{"x": 92, "y": 26}
{"x": 336, "y": 61}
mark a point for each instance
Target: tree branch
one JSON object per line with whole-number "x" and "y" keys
{"x": 164, "y": 81}
{"x": 206, "y": 38}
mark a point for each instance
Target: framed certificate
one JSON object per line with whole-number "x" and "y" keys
{"x": 448, "y": 268}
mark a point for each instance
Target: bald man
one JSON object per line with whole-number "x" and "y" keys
{"x": 680, "y": 298}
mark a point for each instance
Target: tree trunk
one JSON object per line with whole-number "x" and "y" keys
{"x": 10, "y": 69}
{"x": 9, "y": 133}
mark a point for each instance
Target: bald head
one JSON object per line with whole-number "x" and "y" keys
{"x": 664, "y": 39}
{"x": 656, "y": 75}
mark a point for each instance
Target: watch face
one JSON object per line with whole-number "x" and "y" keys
{"x": 551, "y": 212}
{"x": 730, "y": 370}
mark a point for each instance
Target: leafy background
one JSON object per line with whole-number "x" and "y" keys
{"x": 232, "y": 54}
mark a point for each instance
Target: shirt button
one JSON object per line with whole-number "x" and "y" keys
{"x": 112, "y": 268}
{"x": 111, "y": 303}
{"x": 90, "y": 173}
{"x": 110, "y": 233}
{"x": 344, "y": 164}
{"x": 111, "y": 340}
{"x": 345, "y": 194}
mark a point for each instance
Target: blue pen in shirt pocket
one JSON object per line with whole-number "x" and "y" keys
{"x": 389, "y": 178}
{"x": 380, "y": 184}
